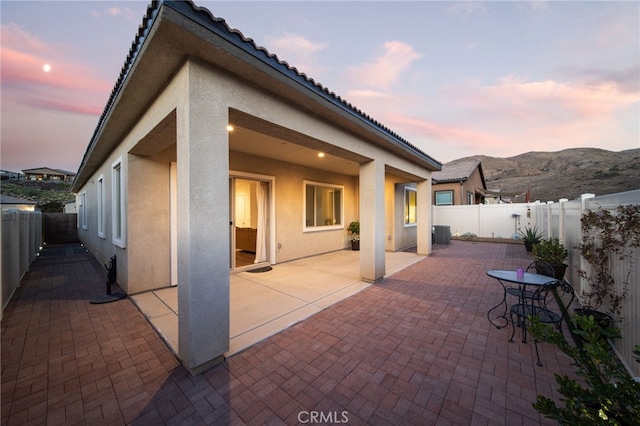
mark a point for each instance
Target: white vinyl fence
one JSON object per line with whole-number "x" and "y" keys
{"x": 21, "y": 240}
{"x": 562, "y": 220}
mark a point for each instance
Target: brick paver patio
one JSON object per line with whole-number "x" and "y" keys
{"x": 415, "y": 348}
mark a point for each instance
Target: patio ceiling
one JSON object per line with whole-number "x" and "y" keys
{"x": 262, "y": 139}
{"x": 252, "y": 135}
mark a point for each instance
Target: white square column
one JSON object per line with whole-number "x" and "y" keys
{"x": 424, "y": 217}
{"x": 372, "y": 221}
{"x": 203, "y": 224}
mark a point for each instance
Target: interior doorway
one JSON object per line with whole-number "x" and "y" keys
{"x": 250, "y": 207}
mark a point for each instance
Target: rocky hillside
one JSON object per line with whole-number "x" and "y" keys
{"x": 564, "y": 174}
{"x": 50, "y": 196}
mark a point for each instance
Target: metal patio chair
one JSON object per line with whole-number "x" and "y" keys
{"x": 549, "y": 303}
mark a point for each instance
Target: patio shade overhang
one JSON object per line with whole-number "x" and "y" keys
{"x": 174, "y": 32}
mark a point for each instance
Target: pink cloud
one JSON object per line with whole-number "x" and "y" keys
{"x": 115, "y": 11}
{"x": 508, "y": 118}
{"x": 65, "y": 87}
{"x": 298, "y": 52}
{"x": 387, "y": 67}
{"x": 70, "y": 107}
{"x": 541, "y": 103}
{"x": 462, "y": 137}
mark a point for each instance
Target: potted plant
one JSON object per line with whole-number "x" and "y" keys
{"x": 530, "y": 236}
{"x": 608, "y": 237}
{"x": 353, "y": 230}
{"x": 552, "y": 251}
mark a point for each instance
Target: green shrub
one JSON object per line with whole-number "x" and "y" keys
{"x": 608, "y": 395}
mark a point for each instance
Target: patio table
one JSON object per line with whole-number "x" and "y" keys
{"x": 506, "y": 276}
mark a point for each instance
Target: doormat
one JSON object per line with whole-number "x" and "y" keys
{"x": 263, "y": 269}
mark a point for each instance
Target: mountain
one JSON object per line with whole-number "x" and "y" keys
{"x": 563, "y": 174}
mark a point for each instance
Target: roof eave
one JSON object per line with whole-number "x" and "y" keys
{"x": 270, "y": 65}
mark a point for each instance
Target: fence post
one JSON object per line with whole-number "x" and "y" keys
{"x": 583, "y": 263}
{"x": 549, "y": 217}
{"x": 562, "y": 234}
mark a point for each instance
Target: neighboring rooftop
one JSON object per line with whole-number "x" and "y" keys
{"x": 7, "y": 199}
{"x": 48, "y": 171}
{"x": 456, "y": 172}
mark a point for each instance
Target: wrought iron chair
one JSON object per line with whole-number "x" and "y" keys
{"x": 538, "y": 267}
{"x": 549, "y": 303}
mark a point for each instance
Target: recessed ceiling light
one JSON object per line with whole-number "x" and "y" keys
{"x": 321, "y": 154}
{"x": 229, "y": 128}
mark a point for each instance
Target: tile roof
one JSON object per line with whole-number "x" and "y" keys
{"x": 48, "y": 170}
{"x": 454, "y": 172}
{"x": 7, "y": 199}
{"x": 204, "y": 17}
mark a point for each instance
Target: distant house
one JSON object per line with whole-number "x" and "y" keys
{"x": 209, "y": 146}
{"x": 13, "y": 203}
{"x": 70, "y": 207}
{"x": 460, "y": 183}
{"x": 47, "y": 174}
{"x": 9, "y": 175}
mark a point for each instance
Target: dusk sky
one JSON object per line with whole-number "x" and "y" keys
{"x": 453, "y": 78}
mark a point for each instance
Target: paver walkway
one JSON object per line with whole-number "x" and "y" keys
{"x": 416, "y": 348}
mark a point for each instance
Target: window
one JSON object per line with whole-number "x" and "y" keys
{"x": 470, "y": 199}
{"x": 444, "y": 198}
{"x": 322, "y": 206}
{"x": 83, "y": 210}
{"x": 410, "y": 206}
{"x": 118, "y": 219}
{"x": 101, "y": 206}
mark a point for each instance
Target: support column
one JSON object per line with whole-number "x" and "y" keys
{"x": 203, "y": 225}
{"x": 425, "y": 219}
{"x": 372, "y": 221}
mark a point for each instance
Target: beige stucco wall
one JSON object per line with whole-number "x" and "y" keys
{"x": 291, "y": 240}
{"x": 140, "y": 268}
{"x": 148, "y": 206}
{"x": 398, "y": 236}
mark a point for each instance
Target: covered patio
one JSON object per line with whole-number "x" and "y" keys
{"x": 265, "y": 303}
{"x": 414, "y": 348}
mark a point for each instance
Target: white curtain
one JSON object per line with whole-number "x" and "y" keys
{"x": 261, "y": 234}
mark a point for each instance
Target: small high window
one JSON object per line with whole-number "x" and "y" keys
{"x": 118, "y": 218}
{"x": 470, "y": 199}
{"x": 82, "y": 210}
{"x": 101, "y": 206}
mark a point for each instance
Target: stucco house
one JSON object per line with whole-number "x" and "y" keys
{"x": 210, "y": 146}
{"x": 459, "y": 183}
{"x": 13, "y": 203}
{"x": 46, "y": 174}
